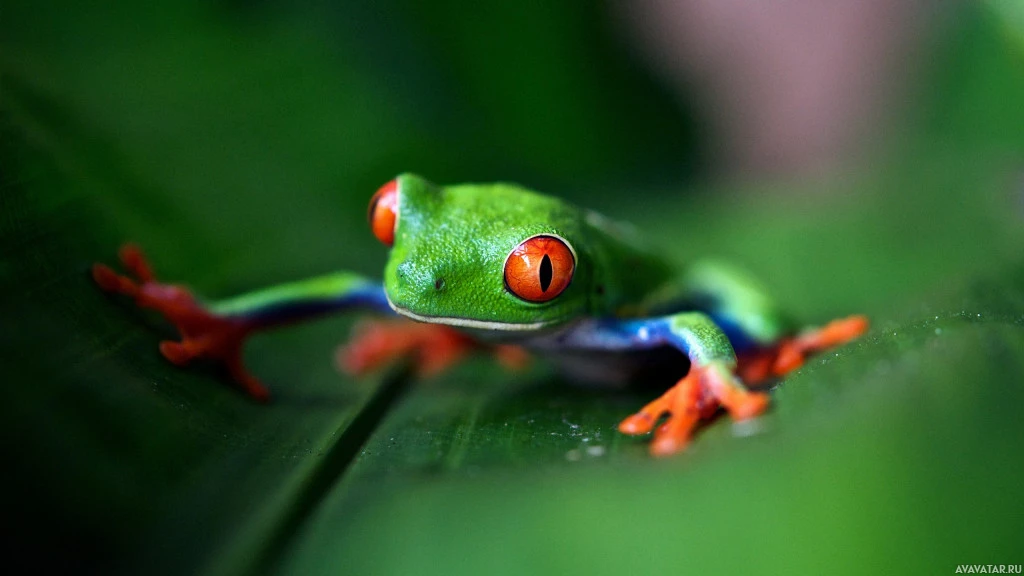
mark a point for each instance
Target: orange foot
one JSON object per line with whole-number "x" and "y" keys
{"x": 790, "y": 353}
{"x": 433, "y": 348}
{"x": 696, "y": 397}
{"x": 204, "y": 335}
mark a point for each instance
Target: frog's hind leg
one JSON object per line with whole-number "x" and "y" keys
{"x": 762, "y": 364}
{"x": 793, "y": 351}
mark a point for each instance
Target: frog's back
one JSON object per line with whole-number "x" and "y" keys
{"x": 628, "y": 275}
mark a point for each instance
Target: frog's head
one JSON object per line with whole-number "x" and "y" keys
{"x": 488, "y": 257}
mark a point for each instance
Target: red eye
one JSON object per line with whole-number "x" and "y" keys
{"x": 384, "y": 212}
{"x": 540, "y": 268}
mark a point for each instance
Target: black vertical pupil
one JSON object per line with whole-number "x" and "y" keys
{"x": 546, "y": 273}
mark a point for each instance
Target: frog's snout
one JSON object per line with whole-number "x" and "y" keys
{"x": 419, "y": 278}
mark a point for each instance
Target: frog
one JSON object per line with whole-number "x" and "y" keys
{"x": 500, "y": 269}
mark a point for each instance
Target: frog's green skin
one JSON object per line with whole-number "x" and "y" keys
{"x": 446, "y": 267}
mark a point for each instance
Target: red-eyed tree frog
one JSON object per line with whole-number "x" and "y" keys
{"x": 498, "y": 267}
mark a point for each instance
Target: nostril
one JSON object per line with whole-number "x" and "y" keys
{"x": 403, "y": 270}
{"x": 439, "y": 284}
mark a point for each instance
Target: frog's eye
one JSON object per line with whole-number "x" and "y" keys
{"x": 540, "y": 268}
{"x": 384, "y": 212}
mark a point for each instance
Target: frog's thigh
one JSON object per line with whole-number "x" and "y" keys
{"x": 737, "y": 302}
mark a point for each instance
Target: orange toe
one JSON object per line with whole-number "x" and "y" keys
{"x": 175, "y": 352}
{"x": 136, "y": 263}
{"x": 111, "y": 281}
{"x": 749, "y": 406}
{"x": 639, "y": 423}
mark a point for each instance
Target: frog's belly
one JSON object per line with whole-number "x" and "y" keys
{"x": 656, "y": 367}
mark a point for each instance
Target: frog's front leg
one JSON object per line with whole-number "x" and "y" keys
{"x": 432, "y": 348}
{"x": 218, "y": 330}
{"x": 710, "y": 383}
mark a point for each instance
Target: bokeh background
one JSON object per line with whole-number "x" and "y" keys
{"x": 859, "y": 156}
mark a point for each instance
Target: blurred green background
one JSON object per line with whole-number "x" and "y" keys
{"x": 239, "y": 142}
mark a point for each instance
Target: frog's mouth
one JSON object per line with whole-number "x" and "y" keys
{"x": 470, "y": 323}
